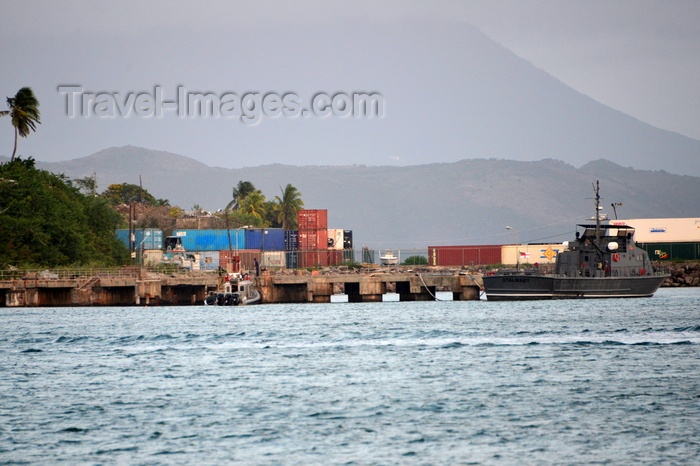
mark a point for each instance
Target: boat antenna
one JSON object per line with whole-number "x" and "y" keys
{"x": 596, "y": 189}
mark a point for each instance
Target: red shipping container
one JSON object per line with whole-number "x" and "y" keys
{"x": 464, "y": 255}
{"x": 246, "y": 258}
{"x": 335, "y": 257}
{"x": 308, "y": 259}
{"x": 312, "y": 219}
{"x": 311, "y": 240}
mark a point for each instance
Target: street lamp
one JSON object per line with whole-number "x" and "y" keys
{"x": 517, "y": 245}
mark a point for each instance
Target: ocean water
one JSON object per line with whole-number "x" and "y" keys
{"x": 573, "y": 382}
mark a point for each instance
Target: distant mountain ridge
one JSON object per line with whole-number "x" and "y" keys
{"x": 466, "y": 202}
{"x": 451, "y": 93}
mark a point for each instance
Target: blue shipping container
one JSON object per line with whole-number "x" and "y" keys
{"x": 291, "y": 240}
{"x": 292, "y": 258}
{"x": 265, "y": 239}
{"x": 253, "y": 238}
{"x": 273, "y": 239}
{"x": 211, "y": 240}
{"x": 146, "y": 238}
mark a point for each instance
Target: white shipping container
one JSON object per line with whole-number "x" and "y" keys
{"x": 152, "y": 257}
{"x": 512, "y": 254}
{"x": 335, "y": 239}
{"x": 663, "y": 230}
{"x": 273, "y": 259}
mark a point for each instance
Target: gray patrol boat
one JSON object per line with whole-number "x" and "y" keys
{"x": 602, "y": 262}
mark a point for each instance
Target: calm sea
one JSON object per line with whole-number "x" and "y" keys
{"x": 596, "y": 381}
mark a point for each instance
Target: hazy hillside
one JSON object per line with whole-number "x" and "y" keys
{"x": 451, "y": 93}
{"x": 466, "y": 202}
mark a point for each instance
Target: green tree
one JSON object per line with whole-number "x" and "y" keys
{"x": 415, "y": 260}
{"x": 24, "y": 113}
{"x": 87, "y": 185}
{"x": 46, "y": 221}
{"x": 125, "y": 192}
{"x": 271, "y": 215}
{"x": 240, "y": 192}
{"x": 288, "y": 206}
{"x": 254, "y": 205}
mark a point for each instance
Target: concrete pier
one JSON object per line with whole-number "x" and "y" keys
{"x": 133, "y": 286}
{"x": 118, "y": 287}
{"x": 366, "y": 288}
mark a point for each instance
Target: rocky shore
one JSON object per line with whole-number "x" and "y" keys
{"x": 686, "y": 274}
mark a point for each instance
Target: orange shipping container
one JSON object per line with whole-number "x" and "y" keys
{"x": 322, "y": 258}
{"x": 313, "y": 219}
{"x": 312, "y": 240}
{"x": 464, "y": 255}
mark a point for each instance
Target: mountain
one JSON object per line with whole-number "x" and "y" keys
{"x": 450, "y": 93}
{"x": 465, "y": 202}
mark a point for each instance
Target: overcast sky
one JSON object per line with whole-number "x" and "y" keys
{"x": 639, "y": 57}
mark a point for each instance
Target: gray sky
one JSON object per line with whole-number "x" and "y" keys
{"x": 639, "y": 57}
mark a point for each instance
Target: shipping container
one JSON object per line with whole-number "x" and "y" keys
{"x": 273, "y": 239}
{"x": 265, "y": 239}
{"x": 335, "y": 257}
{"x": 663, "y": 230}
{"x": 152, "y": 257}
{"x": 672, "y": 251}
{"x": 253, "y": 238}
{"x": 312, "y": 219}
{"x": 230, "y": 260}
{"x": 530, "y": 253}
{"x": 347, "y": 239}
{"x": 292, "y": 258}
{"x": 291, "y": 241}
{"x": 310, "y": 259}
{"x": 273, "y": 259}
{"x": 144, "y": 238}
{"x": 312, "y": 240}
{"x": 246, "y": 259}
{"x": 464, "y": 255}
{"x": 335, "y": 238}
{"x": 209, "y": 260}
{"x": 211, "y": 240}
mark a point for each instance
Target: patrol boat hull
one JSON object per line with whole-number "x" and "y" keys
{"x": 519, "y": 287}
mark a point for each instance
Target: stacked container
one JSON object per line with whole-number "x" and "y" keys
{"x": 348, "y": 251}
{"x": 211, "y": 240}
{"x": 265, "y": 239}
{"x": 291, "y": 248}
{"x": 313, "y": 238}
{"x": 464, "y": 255}
{"x": 144, "y": 238}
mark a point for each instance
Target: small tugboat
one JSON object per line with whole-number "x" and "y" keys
{"x": 237, "y": 290}
{"x": 602, "y": 262}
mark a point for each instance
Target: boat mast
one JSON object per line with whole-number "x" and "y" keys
{"x": 597, "y": 211}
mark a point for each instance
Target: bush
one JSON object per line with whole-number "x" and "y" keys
{"x": 415, "y": 260}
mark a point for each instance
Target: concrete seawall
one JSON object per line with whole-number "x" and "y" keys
{"x": 135, "y": 286}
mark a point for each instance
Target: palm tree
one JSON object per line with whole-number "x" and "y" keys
{"x": 240, "y": 192}
{"x": 24, "y": 112}
{"x": 254, "y": 204}
{"x": 288, "y": 206}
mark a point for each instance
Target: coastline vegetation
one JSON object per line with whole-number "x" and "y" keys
{"x": 46, "y": 221}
